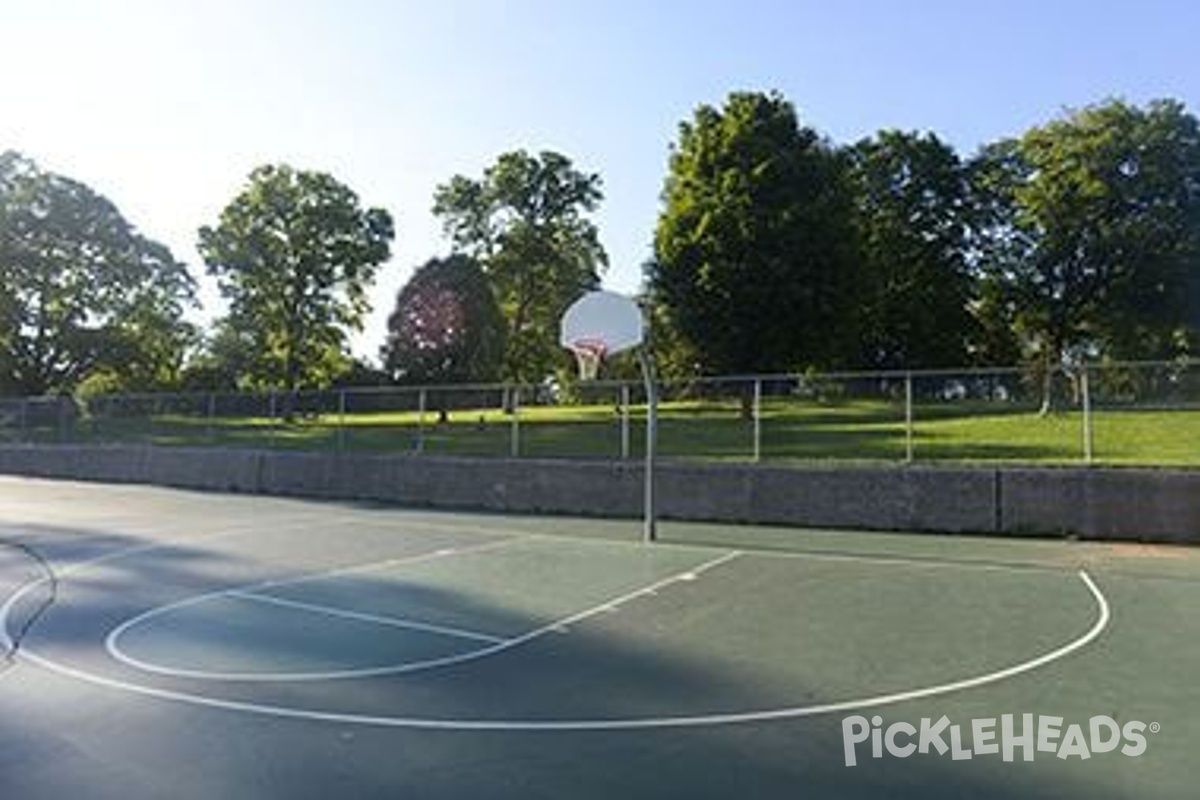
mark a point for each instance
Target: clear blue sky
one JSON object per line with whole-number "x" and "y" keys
{"x": 166, "y": 106}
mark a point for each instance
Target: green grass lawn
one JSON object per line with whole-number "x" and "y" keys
{"x": 860, "y": 430}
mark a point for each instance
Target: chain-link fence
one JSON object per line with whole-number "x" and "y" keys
{"x": 1127, "y": 413}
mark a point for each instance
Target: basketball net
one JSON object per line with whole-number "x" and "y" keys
{"x": 588, "y": 354}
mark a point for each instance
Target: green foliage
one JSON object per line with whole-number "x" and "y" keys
{"x": 754, "y": 249}
{"x": 81, "y": 291}
{"x": 446, "y": 327}
{"x": 362, "y": 373}
{"x": 674, "y": 357}
{"x": 223, "y": 362}
{"x": 913, "y": 216}
{"x": 1092, "y": 229}
{"x": 294, "y": 254}
{"x": 526, "y": 223}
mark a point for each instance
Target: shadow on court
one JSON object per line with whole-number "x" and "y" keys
{"x": 60, "y": 736}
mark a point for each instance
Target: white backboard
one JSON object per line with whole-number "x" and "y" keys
{"x": 607, "y": 317}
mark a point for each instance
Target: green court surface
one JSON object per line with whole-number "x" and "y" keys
{"x": 206, "y": 645}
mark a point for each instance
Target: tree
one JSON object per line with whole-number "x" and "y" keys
{"x": 81, "y": 291}
{"x": 913, "y": 216}
{"x": 755, "y": 248}
{"x": 295, "y": 253}
{"x": 223, "y": 361}
{"x": 999, "y": 248}
{"x": 526, "y": 223}
{"x": 362, "y": 373}
{"x": 675, "y": 359}
{"x": 1096, "y": 246}
{"x": 447, "y": 327}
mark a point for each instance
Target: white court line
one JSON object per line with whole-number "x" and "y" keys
{"x": 112, "y": 643}
{"x": 63, "y": 571}
{"x": 564, "y": 725}
{"x": 302, "y": 523}
{"x": 445, "y": 522}
{"x": 373, "y": 566}
{"x": 81, "y": 535}
{"x": 394, "y": 622}
{"x": 643, "y": 723}
{"x": 930, "y": 561}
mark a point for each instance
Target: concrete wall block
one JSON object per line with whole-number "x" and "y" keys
{"x": 1149, "y": 504}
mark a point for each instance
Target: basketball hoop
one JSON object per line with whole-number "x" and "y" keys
{"x": 599, "y": 323}
{"x": 588, "y": 354}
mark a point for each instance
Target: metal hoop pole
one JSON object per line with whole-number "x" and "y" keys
{"x": 908, "y": 418}
{"x": 624, "y": 420}
{"x": 1086, "y": 401}
{"x": 649, "y": 525}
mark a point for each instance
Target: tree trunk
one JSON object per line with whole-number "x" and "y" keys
{"x": 747, "y": 397}
{"x": 515, "y": 344}
{"x": 290, "y": 380}
{"x": 1047, "y": 389}
{"x": 1048, "y": 360}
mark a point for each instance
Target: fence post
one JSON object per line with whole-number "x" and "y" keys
{"x": 908, "y": 418}
{"x": 515, "y": 407}
{"x": 420, "y": 445}
{"x": 271, "y": 426}
{"x": 210, "y": 430}
{"x": 624, "y": 420}
{"x": 1086, "y": 399}
{"x": 62, "y": 420}
{"x": 24, "y": 420}
{"x": 93, "y": 420}
{"x": 757, "y": 420}
{"x": 341, "y": 425}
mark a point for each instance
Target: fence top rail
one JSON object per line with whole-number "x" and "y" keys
{"x": 800, "y": 378}
{"x": 817, "y": 377}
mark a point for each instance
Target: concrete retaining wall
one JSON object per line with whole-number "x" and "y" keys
{"x": 1144, "y": 504}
